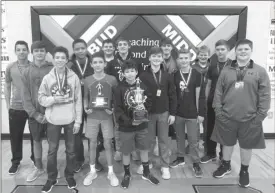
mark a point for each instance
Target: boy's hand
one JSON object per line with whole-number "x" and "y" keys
{"x": 171, "y": 119}
{"x": 76, "y": 129}
{"x": 108, "y": 111}
{"x": 200, "y": 119}
{"x": 60, "y": 99}
{"x": 88, "y": 111}
{"x": 136, "y": 123}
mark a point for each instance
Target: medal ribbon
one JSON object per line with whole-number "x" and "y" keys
{"x": 188, "y": 78}
{"x": 84, "y": 69}
{"x": 155, "y": 78}
{"x": 60, "y": 87}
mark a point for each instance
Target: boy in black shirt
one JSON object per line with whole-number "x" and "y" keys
{"x": 190, "y": 110}
{"x": 129, "y": 131}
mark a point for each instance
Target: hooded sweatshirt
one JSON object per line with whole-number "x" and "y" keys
{"x": 61, "y": 114}
{"x": 32, "y": 78}
{"x": 243, "y": 104}
{"x": 124, "y": 112}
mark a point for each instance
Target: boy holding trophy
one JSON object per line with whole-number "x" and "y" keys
{"x": 132, "y": 103}
{"x": 98, "y": 91}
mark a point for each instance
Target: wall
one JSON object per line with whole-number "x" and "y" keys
{"x": 19, "y": 27}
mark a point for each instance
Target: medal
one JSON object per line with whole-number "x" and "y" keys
{"x": 184, "y": 84}
{"x": 60, "y": 85}
{"x": 82, "y": 72}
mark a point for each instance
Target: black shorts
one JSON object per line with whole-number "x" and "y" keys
{"x": 134, "y": 140}
{"x": 249, "y": 134}
{"x": 38, "y": 130}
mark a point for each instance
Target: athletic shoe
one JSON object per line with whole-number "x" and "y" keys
{"x": 177, "y": 162}
{"x": 35, "y": 174}
{"x": 165, "y": 173}
{"x": 126, "y": 181}
{"x": 152, "y": 179}
{"x": 140, "y": 168}
{"x": 222, "y": 170}
{"x": 98, "y": 166}
{"x": 244, "y": 179}
{"x": 118, "y": 156}
{"x": 197, "y": 170}
{"x": 71, "y": 183}
{"x": 207, "y": 158}
{"x": 113, "y": 179}
{"x": 14, "y": 169}
{"x": 48, "y": 186}
{"x": 89, "y": 178}
{"x": 78, "y": 167}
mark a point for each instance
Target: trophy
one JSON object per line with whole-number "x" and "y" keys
{"x": 98, "y": 101}
{"x": 136, "y": 100}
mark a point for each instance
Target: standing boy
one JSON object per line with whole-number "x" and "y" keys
{"x": 98, "y": 103}
{"x": 60, "y": 93}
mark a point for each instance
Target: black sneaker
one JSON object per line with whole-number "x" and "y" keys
{"x": 244, "y": 179}
{"x": 222, "y": 170}
{"x": 207, "y": 158}
{"x": 126, "y": 181}
{"x": 98, "y": 166}
{"x": 152, "y": 179}
{"x": 48, "y": 186}
{"x": 71, "y": 183}
{"x": 197, "y": 170}
{"x": 14, "y": 169}
{"x": 78, "y": 167}
{"x": 177, "y": 162}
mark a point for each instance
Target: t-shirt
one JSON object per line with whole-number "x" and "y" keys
{"x": 13, "y": 75}
{"x": 104, "y": 87}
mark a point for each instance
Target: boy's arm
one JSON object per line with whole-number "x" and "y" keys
{"x": 200, "y": 96}
{"x": 86, "y": 96}
{"x": 172, "y": 95}
{"x": 217, "y": 101}
{"x": 43, "y": 98}
{"x": 78, "y": 103}
{"x": 148, "y": 103}
{"x": 7, "y": 91}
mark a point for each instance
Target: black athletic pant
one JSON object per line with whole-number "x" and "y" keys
{"x": 17, "y": 122}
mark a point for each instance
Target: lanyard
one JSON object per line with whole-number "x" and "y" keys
{"x": 186, "y": 83}
{"x": 218, "y": 66}
{"x": 155, "y": 78}
{"x": 84, "y": 69}
{"x": 241, "y": 73}
{"x": 20, "y": 69}
{"x": 60, "y": 86}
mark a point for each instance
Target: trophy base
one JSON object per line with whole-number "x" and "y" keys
{"x": 99, "y": 103}
{"x": 140, "y": 116}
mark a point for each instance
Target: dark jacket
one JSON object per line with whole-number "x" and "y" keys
{"x": 168, "y": 98}
{"x": 245, "y": 103}
{"x": 123, "y": 110}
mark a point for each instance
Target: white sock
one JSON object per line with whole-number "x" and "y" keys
{"x": 110, "y": 169}
{"x": 92, "y": 167}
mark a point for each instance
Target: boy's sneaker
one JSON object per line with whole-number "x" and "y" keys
{"x": 207, "y": 158}
{"x": 71, "y": 183}
{"x": 140, "y": 168}
{"x": 197, "y": 170}
{"x": 78, "y": 167}
{"x": 152, "y": 179}
{"x": 222, "y": 170}
{"x": 125, "y": 181}
{"x": 118, "y": 156}
{"x": 165, "y": 173}
{"x": 14, "y": 169}
{"x": 177, "y": 162}
{"x": 35, "y": 174}
{"x": 48, "y": 186}
{"x": 98, "y": 166}
{"x": 113, "y": 179}
{"x": 89, "y": 178}
{"x": 244, "y": 179}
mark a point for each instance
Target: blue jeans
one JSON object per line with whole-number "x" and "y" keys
{"x": 53, "y": 135}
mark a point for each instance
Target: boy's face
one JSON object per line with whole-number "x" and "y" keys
{"x": 98, "y": 64}
{"x": 21, "y": 52}
{"x": 221, "y": 51}
{"x": 203, "y": 57}
{"x": 156, "y": 59}
{"x": 243, "y": 52}
{"x": 167, "y": 48}
{"x": 60, "y": 60}
{"x": 39, "y": 54}
{"x": 130, "y": 74}
{"x": 80, "y": 50}
{"x": 123, "y": 47}
{"x": 183, "y": 60}
{"x": 108, "y": 49}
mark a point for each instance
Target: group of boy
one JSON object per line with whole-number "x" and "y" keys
{"x": 229, "y": 98}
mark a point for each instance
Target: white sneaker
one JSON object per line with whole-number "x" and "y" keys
{"x": 165, "y": 173}
{"x": 35, "y": 174}
{"x": 140, "y": 168}
{"x": 118, "y": 156}
{"x": 89, "y": 178}
{"x": 113, "y": 179}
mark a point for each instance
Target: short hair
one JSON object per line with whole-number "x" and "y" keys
{"x": 99, "y": 54}
{"x": 222, "y": 43}
{"x": 108, "y": 41}
{"x": 122, "y": 39}
{"x": 61, "y": 49}
{"x": 165, "y": 41}
{"x": 38, "y": 45}
{"x": 244, "y": 41}
{"x": 184, "y": 51}
{"x": 129, "y": 64}
{"x": 155, "y": 50}
{"x": 203, "y": 48}
{"x": 21, "y": 42}
{"x": 79, "y": 41}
